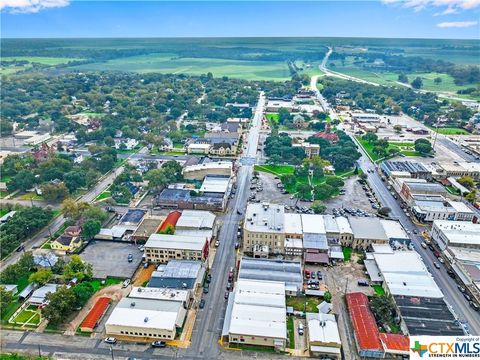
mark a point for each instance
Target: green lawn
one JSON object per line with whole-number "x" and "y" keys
{"x": 291, "y": 332}
{"x": 97, "y": 284}
{"x": 25, "y": 316}
{"x": 298, "y": 303}
{"x": 41, "y": 59}
{"x": 5, "y": 178}
{"x": 277, "y": 170}
{"x": 104, "y": 195}
{"x": 378, "y": 289}
{"x": 4, "y": 212}
{"x": 451, "y": 131}
{"x": 272, "y": 117}
{"x": 30, "y": 196}
{"x": 3, "y": 194}
{"x": 347, "y": 253}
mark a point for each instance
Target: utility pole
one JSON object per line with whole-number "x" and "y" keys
{"x": 111, "y": 352}
{"x": 436, "y": 135}
{"x": 39, "y": 351}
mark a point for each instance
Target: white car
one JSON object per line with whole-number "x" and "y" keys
{"x": 217, "y": 243}
{"x": 110, "y": 340}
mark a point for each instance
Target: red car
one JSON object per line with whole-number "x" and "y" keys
{"x": 307, "y": 274}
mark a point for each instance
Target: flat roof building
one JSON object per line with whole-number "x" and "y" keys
{"x": 323, "y": 335}
{"x": 200, "y": 171}
{"x": 287, "y": 272}
{"x": 395, "y": 232}
{"x": 215, "y": 184}
{"x": 146, "y": 319}
{"x": 367, "y": 231}
{"x": 264, "y": 225}
{"x": 256, "y": 314}
{"x": 414, "y": 168}
{"x": 160, "y": 248}
{"x": 462, "y": 234}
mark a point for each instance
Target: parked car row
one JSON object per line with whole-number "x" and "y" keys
{"x": 350, "y": 212}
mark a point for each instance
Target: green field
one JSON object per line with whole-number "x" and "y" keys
{"x": 389, "y": 78}
{"x": 162, "y": 63}
{"x": 272, "y": 117}
{"x": 451, "y": 131}
{"x": 33, "y": 317}
{"x": 407, "y": 149}
{"x": 291, "y": 332}
{"x": 347, "y": 253}
{"x": 50, "y": 61}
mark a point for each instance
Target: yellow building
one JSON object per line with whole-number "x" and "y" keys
{"x": 68, "y": 241}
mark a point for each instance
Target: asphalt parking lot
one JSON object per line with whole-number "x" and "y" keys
{"x": 354, "y": 197}
{"x": 109, "y": 258}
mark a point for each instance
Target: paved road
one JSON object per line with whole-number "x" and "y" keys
{"x": 448, "y": 286}
{"x": 449, "y": 144}
{"x": 209, "y": 322}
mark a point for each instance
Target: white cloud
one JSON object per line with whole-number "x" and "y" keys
{"x": 457, "y": 24}
{"x": 31, "y": 6}
{"x": 452, "y": 6}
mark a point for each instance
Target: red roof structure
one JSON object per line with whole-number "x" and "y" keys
{"x": 395, "y": 343}
{"x": 332, "y": 137}
{"x": 95, "y": 314}
{"x": 364, "y": 325}
{"x": 170, "y": 220}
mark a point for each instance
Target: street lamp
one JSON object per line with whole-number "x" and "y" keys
{"x": 111, "y": 352}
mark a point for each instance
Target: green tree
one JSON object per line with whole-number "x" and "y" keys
{"x": 403, "y": 78}
{"x": 370, "y": 137}
{"x": 304, "y": 191}
{"x": 471, "y": 196}
{"x": 384, "y": 211}
{"x": 289, "y": 180}
{"x": 336, "y": 182}
{"x": 91, "y": 228}
{"x": 6, "y": 298}
{"x": 54, "y": 192}
{"x": 83, "y": 292}
{"x": 382, "y": 307}
{"x": 77, "y": 268}
{"x": 41, "y": 277}
{"x": 74, "y": 180}
{"x": 169, "y": 230}
{"x": 157, "y": 179}
{"x": 417, "y": 83}
{"x": 423, "y": 146}
{"x": 318, "y": 207}
{"x": 23, "y": 181}
{"x": 323, "y": 191}
{"x": 397, "y": 128}
{"x": 327, "y": 296}
{"x": 437, "y": 80}
{"x": 60, "y": 305}
{"x": 466, "y": 181}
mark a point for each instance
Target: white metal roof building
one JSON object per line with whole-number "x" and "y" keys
{"x": 217, "y": 184}
{"x": 196, "y": 219}
{"x": 288, "y": 272}
{"x": 264, "y": 218}
{"x": 367, "y": 231}
{"x": 160, "y": 294}
{"x": 293, "y": 225}
{"x": 404, "y": 273}
{"x": 199, "y": 171}
{"x": 313, "y": 224}
{"x": 164, "y": 241}
{"x": 256, "y": 314}
{"x": 456, "y": 233}
{"x": 395, "y": 231}
{"x": 323, "y": 335}
{"x": 39, "y": 296}
{"x": 146, "y": 318}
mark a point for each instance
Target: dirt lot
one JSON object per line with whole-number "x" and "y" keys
{"x": 109, "y": 258}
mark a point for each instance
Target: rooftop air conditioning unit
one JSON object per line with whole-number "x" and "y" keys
{"x": 132, "y": 303}
{"x": 146, "y": 319}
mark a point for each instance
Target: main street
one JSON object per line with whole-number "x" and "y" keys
{"x": 209, "y": 322}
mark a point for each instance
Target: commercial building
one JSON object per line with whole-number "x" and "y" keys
{"x": 95, "y": 314}
{"x": 458, "y": 169}
{"x": 199, "y": 148}
{"x": 287, "y": 272}
{"x": 148, "y": 226}
{"x": 178, "y": 274}
{"x": 146, "y": 319}
{"x": 440, "y": 208}
{"x": 197, "y": 222}
{"x": 200, "y": 171}
{"x": 365, "y": 117}
{"x": 367, "y": 231}
{"x": 37, "y": 139}
{"x": 215, "y": 184}
{"x": 264, "y": 225}
{"x": 323, "y": 336}
{"x": 414, "y": 168}
{"x": 172, "y": 198}
{"x": 460, "y": 234}
{"x": 311, "y": 150}
{"x": 256, "y": 314}
{"x": 404, "y": 273}
{"x": 161, "y": 248}
{"x": 410, "y": 188}
{"x": 395, "y": 232}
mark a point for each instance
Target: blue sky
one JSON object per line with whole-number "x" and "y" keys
{"x": 387, "y": 18}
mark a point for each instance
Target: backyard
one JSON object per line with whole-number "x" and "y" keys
{"x": 302, "y": 303}
{"x": 451, "y": 131}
